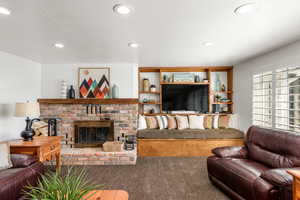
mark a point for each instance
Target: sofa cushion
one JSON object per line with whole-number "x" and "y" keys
{"x": 191, "y": 134}
{"x": 196, "y": 122}
{"x": 239, "y": 174}
{"x": 182, "y": 122}
{"x": 22, "y": 160}
{"x": 277, "y": 149}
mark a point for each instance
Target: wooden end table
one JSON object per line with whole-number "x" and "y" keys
{"x": 108, "y": 195}
{"x": 45, "y": 148}
{"x": 296, "y": 183}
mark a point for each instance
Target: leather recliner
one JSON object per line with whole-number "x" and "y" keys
{"x": 257, "y": 171}
{"x": 26, "y": 171}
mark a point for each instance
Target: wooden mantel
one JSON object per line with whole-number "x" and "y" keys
{"x": 89, "y": 101}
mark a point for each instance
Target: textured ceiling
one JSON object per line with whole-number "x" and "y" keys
{"x": 170, "y": 32}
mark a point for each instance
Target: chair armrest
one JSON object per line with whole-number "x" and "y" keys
{"x": 231, "y": 152}
{"x": 278, "y": 177}
{"x": 22, "y": 160}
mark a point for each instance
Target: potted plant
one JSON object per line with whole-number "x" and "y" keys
{"x": 73, "y": 185}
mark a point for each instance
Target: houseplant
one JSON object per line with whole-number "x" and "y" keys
{"x": 71, "y": 185}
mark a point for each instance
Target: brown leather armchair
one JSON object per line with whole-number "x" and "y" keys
{"x": 257, "y": 171}
{"x": 26, "y": 170}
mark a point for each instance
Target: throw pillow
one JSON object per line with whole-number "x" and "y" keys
{"x": 151, "y": 122}
{"x": 142, "y": 123}
{"x": 196, "y": 122}
{"x": 233, "y": 121}
{"x": 165, "y": 121}
{"x": 224, "y": 121}
{"x": 216, "y": 122}
{"x": 172, "y": 122}
{"x": 40, "y": 128}
{"x": 5, "y": 161}
{"x": 208, "y": 121}
{"x": 182, "y": 122}
{"x": 160, "y": 122}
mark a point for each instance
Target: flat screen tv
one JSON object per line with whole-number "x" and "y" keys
{"x": 185, "y": 98}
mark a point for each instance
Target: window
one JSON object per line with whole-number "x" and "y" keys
{"x": 262, "y": 99}
{"x": 287, "y": 112}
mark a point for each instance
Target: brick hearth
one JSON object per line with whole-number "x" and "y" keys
{"x": 125, "y": 121}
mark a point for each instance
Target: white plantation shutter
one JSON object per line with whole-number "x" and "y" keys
{"x": 287, "y": 111}
{"x": 262, "y": 99}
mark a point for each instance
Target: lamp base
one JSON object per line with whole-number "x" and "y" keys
{"x": 27, "y": 135}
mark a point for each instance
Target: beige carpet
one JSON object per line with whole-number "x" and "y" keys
{"x": 159, "y": 179}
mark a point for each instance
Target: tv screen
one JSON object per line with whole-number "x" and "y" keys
{"x": 185, "y": 98}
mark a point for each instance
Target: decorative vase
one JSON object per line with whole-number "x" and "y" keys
{"x": 71, "y": 93}
{"x": 115, "y": 91}
{"x": 218, "y": 83}
{"x": 146, "y": 85}
{"x": 63, "y": 89}
{"x": 152, "y": 88}
{"x": 197, "y": 79}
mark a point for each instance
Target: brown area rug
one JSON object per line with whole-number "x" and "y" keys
{"x": 155, "y": 178}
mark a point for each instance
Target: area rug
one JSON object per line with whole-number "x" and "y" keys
{"x": 156, "y": 178}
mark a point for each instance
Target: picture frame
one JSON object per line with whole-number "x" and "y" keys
{"x": 94, "y": 82}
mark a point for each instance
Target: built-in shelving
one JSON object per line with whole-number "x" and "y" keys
{"x": 150, "y": 92}
{"x": 184, "y": 83}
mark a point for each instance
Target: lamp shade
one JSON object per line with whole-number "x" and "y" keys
{"x": 27, "y": 109}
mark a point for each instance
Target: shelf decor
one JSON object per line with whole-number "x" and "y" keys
{"x": 94, "y": 82}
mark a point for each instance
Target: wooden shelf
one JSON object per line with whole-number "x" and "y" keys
{"x": 221, "y": 92}
{"x": 184, "y": 83}
{"x": 181, "y": 114}
{"x": 223, "y": 103}
{"x": 88, "y": 101}
{"x": 150, "y": 103}
{"x": 150, "y": 92}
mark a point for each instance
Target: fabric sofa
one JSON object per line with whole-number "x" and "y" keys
{"x": 26, "y": 170}
{"x": 257, "y": 171}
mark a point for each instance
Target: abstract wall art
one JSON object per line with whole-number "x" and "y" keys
{"x": 94, "y": 82}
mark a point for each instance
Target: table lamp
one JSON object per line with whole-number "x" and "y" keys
{"x": 27, "y": 110}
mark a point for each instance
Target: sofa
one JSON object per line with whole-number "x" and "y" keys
{"x": 26, "y": 171}
{"x": 258, "y": 170}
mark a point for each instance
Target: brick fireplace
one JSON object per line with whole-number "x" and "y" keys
{"x": 121, "y": 114}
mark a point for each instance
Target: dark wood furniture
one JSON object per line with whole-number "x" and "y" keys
{"x": 296, "y": 183}
{"x": 43, "y": 147}
{"x": 108, "y": 195}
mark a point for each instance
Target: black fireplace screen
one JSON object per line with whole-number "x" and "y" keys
{"x": 93, "y": 134}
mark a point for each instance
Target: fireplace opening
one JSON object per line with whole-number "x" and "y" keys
{"x": 93, "y": 133}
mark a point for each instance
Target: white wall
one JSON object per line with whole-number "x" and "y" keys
{"x": 122, "y": 74}
{"x": 286, "y": 56}
{"x": 20, "y": 80}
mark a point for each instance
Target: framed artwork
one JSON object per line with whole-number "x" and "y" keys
{"x": 94, "y": 82}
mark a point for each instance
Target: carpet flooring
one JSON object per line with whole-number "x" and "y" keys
{"x": 156, "y": 178}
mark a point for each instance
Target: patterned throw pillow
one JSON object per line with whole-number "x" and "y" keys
{"x": 171, "y": 122}
{"x": 208, "y": 119}
{"x": 5, "y": 161}
{"x": 196, "y": 122}
{"x": 165, "y": 121}
{"x": 160, "y": 122}
{"x": 142, "y": 123}
{"x": 182, "y": 122}
{"x": 151, "y": 122}
{"x": 216, "y": 122}
{"x": 224, "y": 121}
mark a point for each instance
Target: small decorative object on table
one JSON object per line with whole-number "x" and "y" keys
{"x": 152, "y": 111}
{"x": 197, "y": 79}
{"x": 130, "y": 142}
{"x": 146, "y": 85}
{"x": 71, "y": 93}
{"x": 27, "y": 110}
{"x": 223, "y": 88}
{"x": 152, "y": 88}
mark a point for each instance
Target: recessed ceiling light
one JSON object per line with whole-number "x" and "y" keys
{"x": 133, "y": 45}
{"x": 208, "y": 44}
{"x": 246, "y": 8}
{"x": 122, "y": 9}
{"x": 59, "y": 45}
{"x": 4, "y": 11}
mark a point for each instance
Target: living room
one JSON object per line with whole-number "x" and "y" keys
{"x": 149, "y": 100}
